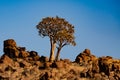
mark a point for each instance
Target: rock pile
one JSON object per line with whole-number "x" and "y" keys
{"x": 18, "y": 64}
{"x": 102, "y": 68}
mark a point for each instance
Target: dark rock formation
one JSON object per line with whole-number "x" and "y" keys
{"x": 103, "y": 67}
{"x": 18, "y": 64}
{"x": 10, "y": 48}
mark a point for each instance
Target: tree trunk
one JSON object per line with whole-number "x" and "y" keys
{"x": 52, "y": 51}
{"x": 58, "y": 54}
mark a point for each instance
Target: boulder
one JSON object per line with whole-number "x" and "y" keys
{"x": 45, "y": 76}
{"x": 21, "y": 48}
{"x": 105, "y": 64}
{"x": 58, "y": 64}
{"x": 23, "y": 54}
{"x": 87, "y": 51}
{"x": 10, "y": 48}
{"x": 10, "y": 42}
{"x": 47, "y": 65}
{"x": 6, "y": 60}
{"x": 85, "y": 58}
{"x": 33, "y": 53}
{"x": 44, "y": 59}
{"x": 36, "y": 58}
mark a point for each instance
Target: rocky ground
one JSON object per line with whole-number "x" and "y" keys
{"x": 18, "y": 64}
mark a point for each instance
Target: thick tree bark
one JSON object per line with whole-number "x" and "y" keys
{"x": 52, "y": 51}
{"x": 58, "y": 54}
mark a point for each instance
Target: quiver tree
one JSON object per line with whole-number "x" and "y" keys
{"x": 63, "y": 38}
{"x": 55, "y": 29}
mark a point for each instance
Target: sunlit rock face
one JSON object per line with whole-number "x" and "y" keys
{"x": 103, "y": 67}
{"x": 18, "y": 64}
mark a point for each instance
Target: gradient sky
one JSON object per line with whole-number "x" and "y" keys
{"x": 97, "y": 25}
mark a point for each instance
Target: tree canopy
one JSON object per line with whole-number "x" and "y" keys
{"x": 60, "y": 32}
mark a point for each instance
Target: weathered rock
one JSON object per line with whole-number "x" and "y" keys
{"x": 23, "y": 54}
{"x": 36, "y": 58}
{"x": 85, "y": 57}
{"x": 58, "y": 64}
{"x": 9, "y": 68}
{"x": 44, "y": 59}
{"x": 33, "y": 53}
{"x": 95, "y": 66}
{"x": 47, "y": 64}
{"x": 87, "y": 51}
{"x": 97, "y": 76}
{"x": 12, "y": 52}
{"x": 21, "y": 48}
{"x": 10, "y": 48}
{"x": 19, "y": 64}
{"x": 45, "y": 76}
{"x": 105, "y": 65}
{"x": 6, "y": 59}
{"x": 10, "y": 42}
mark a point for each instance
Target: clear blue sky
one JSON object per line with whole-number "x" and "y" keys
{"x": 97, "y": 25}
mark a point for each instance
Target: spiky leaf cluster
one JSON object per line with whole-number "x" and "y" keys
{"x": 65, "y": 38}
{"x": 58, "y": 29}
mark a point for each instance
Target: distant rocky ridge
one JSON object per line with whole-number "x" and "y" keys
{"x": 18, "y": 64}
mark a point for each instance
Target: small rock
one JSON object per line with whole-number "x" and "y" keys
{"x": 87, "y": 51}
